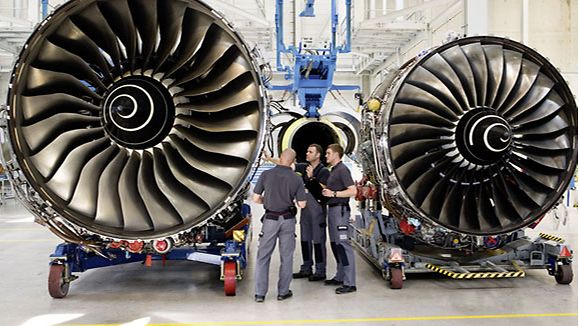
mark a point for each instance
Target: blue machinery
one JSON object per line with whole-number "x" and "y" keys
{"x": 225, "y": 249}
{"x": 313, "y": 71}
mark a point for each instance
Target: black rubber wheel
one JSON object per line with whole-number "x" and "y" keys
{"x": 564, "y": 274}
{"x": 396, "y": 281}
{"x": 57, "y": 286}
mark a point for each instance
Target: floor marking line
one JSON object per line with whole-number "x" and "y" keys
{"x": 352, "y": 320}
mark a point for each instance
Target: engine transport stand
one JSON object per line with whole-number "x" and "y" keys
{"x": 395, "y": 254}
{"x": 227, "y": 249}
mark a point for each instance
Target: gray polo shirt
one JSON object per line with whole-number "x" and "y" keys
{"x": 280, "y": 186}
{"x": 340, "y": 179}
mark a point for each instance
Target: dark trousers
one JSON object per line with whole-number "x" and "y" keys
{"x": 338, "y": 225}
{"x": 313, "y": 236}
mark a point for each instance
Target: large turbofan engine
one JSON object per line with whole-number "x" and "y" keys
{"x": 134, "y": 119}
{"x": 477, "y": 137}
{"x": 300, "y": 132}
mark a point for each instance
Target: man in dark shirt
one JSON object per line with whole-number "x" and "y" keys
{"x": 313, "y": 217}
{"x": 277, "y": 189}
{"x": 340, "y": 188}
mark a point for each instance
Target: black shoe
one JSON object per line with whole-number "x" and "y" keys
{"x": 302, "y": 274}
{"x": 285, "y": 296}
{"x": 259, "y": 298}
{"x": 345, "y": 289}
{"x": 333, "y": 282}
{"x": 314, "y": 278}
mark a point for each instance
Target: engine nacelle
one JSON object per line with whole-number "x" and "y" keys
{"x": 477, "y": 137}
{"x": 134, "y": 120}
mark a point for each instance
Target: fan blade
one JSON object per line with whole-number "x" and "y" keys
{"x": 119, "y": 18}
{"x": 146, "y": 20}
{"x": 438, "y": 66}
{"x": 412, "y": 170}
{"x": 549, "y": 106}
{"x": 44, "y": 132}
{"x": 249, "y": 122}
{"x": 408, "y": 151}
{"x": 459, "y": 63}
{"x": 60, "y": 60}
{"x": 229, "y": 77}
{"x": 189, "y": 206}
{"x": 476, "y": 57}
{"x": 210, "y": 191}
{"x": 86, "y": 192}
{"x": 214, "y": 168}
{"x": 170, "y": 15}
{"x": 412, "y": 95}
{"x": 424, "y": 79}
{"x": 513, "y": 61}
{"x": 405, "y": 113}
{"x": 67, "y": 176}
{"x": 527, "y": 77}
{"x": 135, "y": 215}
{"x": 219, "y": 144}
{"x": 37, "y": 108}
{"x": 161, "y": 211}
{"x": 195, "y": 26}
{"x": 43, "y": 82}
{"x": 403, "y": 133}
{"x": 248, "y": 94}
{"x": 51, "y": 157}
{"x": 495, "y": 65}
{"x": 109, "y": 211}
{"x": 92, "y": 23}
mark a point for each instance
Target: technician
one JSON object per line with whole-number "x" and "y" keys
{"x": 313, "y": 217}
{"x": 278, "y": 189}
{"x": 339, "y": 189}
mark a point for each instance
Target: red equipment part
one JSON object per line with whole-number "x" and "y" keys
{"x": 230, "y": 277}
{"x": 57, "y": 285}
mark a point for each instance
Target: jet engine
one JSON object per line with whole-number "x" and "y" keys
{"x": 336, "y": 127}
{"x": 475, "y": 138}
{"x": 134, "y": 120}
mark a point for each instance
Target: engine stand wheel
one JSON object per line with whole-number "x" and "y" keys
{"x": 564, "y": 274}
{"x": 57, "y": 284}
{"x": 229, "y": 282}
{"x": 396, "y": 280}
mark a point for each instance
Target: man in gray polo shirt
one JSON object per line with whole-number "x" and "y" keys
{"x": 340, "y": 188}
{"x": 277, "y": 189}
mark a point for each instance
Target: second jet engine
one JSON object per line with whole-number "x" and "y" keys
{"x": 476, "y": 138}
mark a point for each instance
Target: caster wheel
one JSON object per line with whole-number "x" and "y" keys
{"x": 229, "y": 271}
{"x": 57, "y": 286}
{"x": 396, "y": 280}
{"x": 564, "y": 274}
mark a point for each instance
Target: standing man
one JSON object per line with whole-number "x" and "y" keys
{"x": 339, "y": 189}
{"x": 313, "y": 217}
{"x": 277, "y": 189}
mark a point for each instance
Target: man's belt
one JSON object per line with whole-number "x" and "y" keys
{"x": 339, "y": 204}
{"x": 273, "y": 215}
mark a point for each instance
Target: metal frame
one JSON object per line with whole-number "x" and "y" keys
{"x": 313, "y": 69}
{"x": 375, "y": 236}
{"x": 77, "y": 258}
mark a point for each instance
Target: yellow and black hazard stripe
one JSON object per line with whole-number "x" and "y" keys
{"x": 551, "y": 237}
{"x": 478, "y": 275}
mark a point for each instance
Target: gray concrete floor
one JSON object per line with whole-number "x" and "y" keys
{"x": 191, "y": 293}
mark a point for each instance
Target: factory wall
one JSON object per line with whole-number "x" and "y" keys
{"x": 552, "y": 31}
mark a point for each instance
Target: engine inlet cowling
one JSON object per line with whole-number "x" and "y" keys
{"x": 136, "y": 119}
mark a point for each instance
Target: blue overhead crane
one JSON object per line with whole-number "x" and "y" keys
{"x": 313, "y": 70}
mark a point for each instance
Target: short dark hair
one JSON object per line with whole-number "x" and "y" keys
{"x": 337, "y": 148}
{"x": 318, "y": 148}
